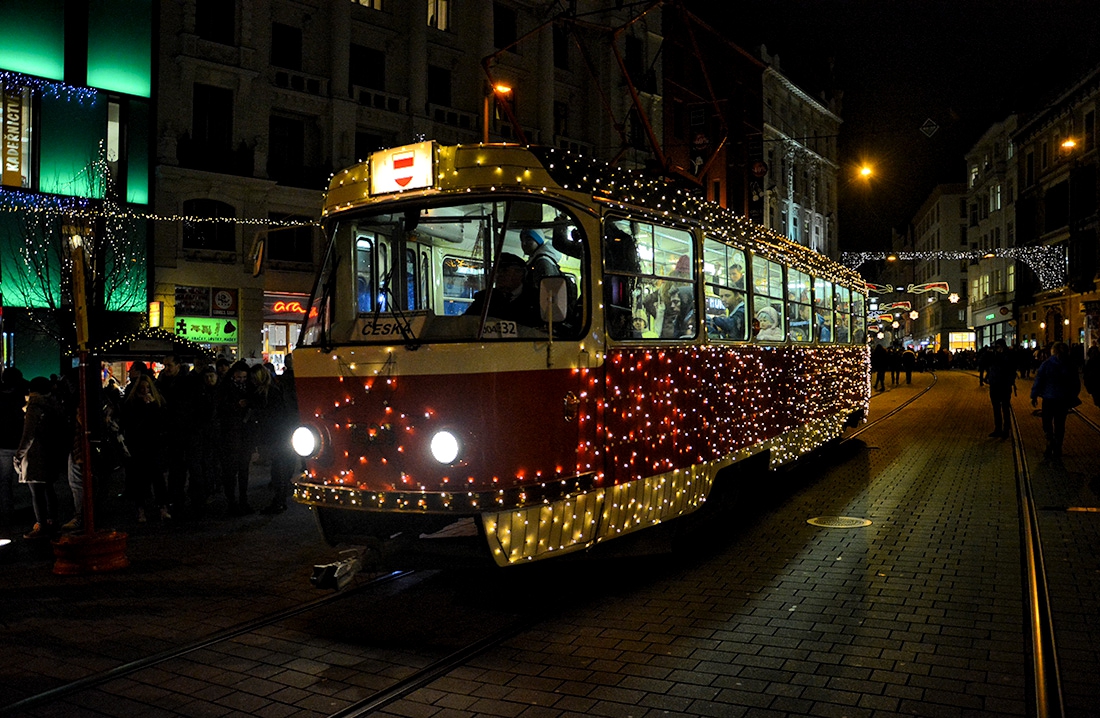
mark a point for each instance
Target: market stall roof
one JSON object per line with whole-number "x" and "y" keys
{"x": 151, "y": 343}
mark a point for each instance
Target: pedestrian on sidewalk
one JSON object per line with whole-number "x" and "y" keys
{"x": 880, "y": 361}
{"x": 908, "y": 363}
{"x": 1000, "y": 375}
{"x": 1057, "y": 383}
{"x": 13, "y": 397}
{"x": 38, "y": 460}
{"x": 1092, "y": 374}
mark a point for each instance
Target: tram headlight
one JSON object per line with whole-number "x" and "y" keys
{"x": 445, "y": 447}
{"x": 305, "y": 441}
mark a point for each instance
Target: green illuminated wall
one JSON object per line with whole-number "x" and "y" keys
{"x": 20, "y": 284}
{"x": 32, "y": 37}
{"x": 126, "y": 272}
{"x": 69, "y": 139}
{"x": 137, "y": 152}
{"x": 120, "y": 45}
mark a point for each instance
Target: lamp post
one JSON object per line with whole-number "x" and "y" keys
{"x": 90, "y": 551}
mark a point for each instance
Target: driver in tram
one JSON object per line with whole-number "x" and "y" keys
{"x": 509, "y": 299}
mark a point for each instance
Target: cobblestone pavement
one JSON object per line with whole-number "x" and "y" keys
{"x": 762, "y": 614}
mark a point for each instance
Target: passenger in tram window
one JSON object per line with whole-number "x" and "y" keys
{"x": 679, "y": 318}
{"x": 510, "y": 299}
{"x": 732, "y": 324}
{"x": 1000, "y": 374}
{"x": 770, "y": 331}
{"x": 737, "y": 275}
{"x": 542, "y": 260}
{"x": 1058, "y": 384}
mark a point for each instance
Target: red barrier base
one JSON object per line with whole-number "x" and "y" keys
{"x": 78, "y": 554}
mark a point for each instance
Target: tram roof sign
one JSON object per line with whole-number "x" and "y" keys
{"x": 400, "y": 169}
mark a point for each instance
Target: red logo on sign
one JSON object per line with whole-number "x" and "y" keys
{"x": 403, "y": 161}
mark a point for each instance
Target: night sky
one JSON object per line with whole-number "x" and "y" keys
{"x": 964, "y": 64}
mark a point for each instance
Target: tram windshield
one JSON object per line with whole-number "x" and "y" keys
{"x": 499, "y": 270}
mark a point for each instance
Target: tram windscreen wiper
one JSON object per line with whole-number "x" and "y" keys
{"x": 404, "y": 324}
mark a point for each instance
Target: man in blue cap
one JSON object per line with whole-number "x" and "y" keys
{"x": 542, "y": 260}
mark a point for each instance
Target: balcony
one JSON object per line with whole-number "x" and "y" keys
{"x": 300, "y": 82}
{"x": 380, "y": 100}
{"x": 452, "y": 117}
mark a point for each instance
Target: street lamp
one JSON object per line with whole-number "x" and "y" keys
{"x": 492, "y": 95}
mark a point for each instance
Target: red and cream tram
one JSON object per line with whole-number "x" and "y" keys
{"x": 637, "y": 343}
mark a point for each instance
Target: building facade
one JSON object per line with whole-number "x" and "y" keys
{"x": 262, "y": 101}
{"x": 991, "y": 230}
{"x": 800, "y": 151}
{"x": 939, "y": 233}
{"x": 78, "y": 98}
{"x": 1057, "y": 209}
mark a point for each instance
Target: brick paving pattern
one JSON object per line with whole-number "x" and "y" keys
{"x": 920, "y": 613}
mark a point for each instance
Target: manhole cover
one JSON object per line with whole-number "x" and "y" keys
{"x": 838, "y": 522}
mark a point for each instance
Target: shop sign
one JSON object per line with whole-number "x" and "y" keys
{"x": 207, "y": 330}
{"x": 206, "y": 302}
{"x": 224, "y": 303}
{"x": 12, "y": 122}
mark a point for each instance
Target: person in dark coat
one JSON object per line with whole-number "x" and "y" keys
{"x": 510, "y": 298}
{"x": 13, "y": 397}
{"x": 1092, "y": 373}
{"x": 880, "y": 362}
{"x": 143, "y": 425}
{"x": 1058, "y": 384}
{"x": 235, "y": 449}
{"x": 40, "y": 456}
{"x": 1000, "y": 375}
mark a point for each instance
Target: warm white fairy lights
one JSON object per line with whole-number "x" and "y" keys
{"x": 1048, "y": 262}
{"x": 653, "y": 426}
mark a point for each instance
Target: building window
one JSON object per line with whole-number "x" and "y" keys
{"x": 561, "y": 119}
{"x": 504, "y": 27}
{"x": 439, "y": 86}
{"x": 216, "y": 21}
{"x": 286, "y": 147}
{"x": 369, "y": 142}
{"x": 290, "y": 244}
{"x": 439, "y": 14}
{"x": 209, "y": 236}
{"x": 372, "y": 4}
{"x": 286, "y": 46}
{"x": 211, "y": 120}
{"x": 367, "y": 68}
{"x": 561, "y": 48}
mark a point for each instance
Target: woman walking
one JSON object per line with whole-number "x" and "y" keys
{"x": 143, "y": 420}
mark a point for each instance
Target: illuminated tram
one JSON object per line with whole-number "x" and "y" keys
{"x": 667, "y": 341}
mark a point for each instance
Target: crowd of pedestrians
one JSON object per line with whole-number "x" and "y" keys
{"x": 180, "y": 437}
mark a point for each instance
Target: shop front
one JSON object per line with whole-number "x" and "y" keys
{"x": 283, "y": 315}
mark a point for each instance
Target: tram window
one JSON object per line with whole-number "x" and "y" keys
{"x": 461, "y": 279}
{"x": 823, "y": 310}
{"x": 410, "y": 278}
{"x": 859, "y": 319}
{"x": 798, "y": 301}
{"x": 724, "y": 275}
{"x": 364, "y": 273}
{"x": 767, "y": 287}
{"x": 650, "y": 281}
{"x": 842, "y": 312}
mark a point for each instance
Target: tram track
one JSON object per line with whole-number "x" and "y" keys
{"x": 1047, "y": 688}
{"x": 132, "y": 667}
